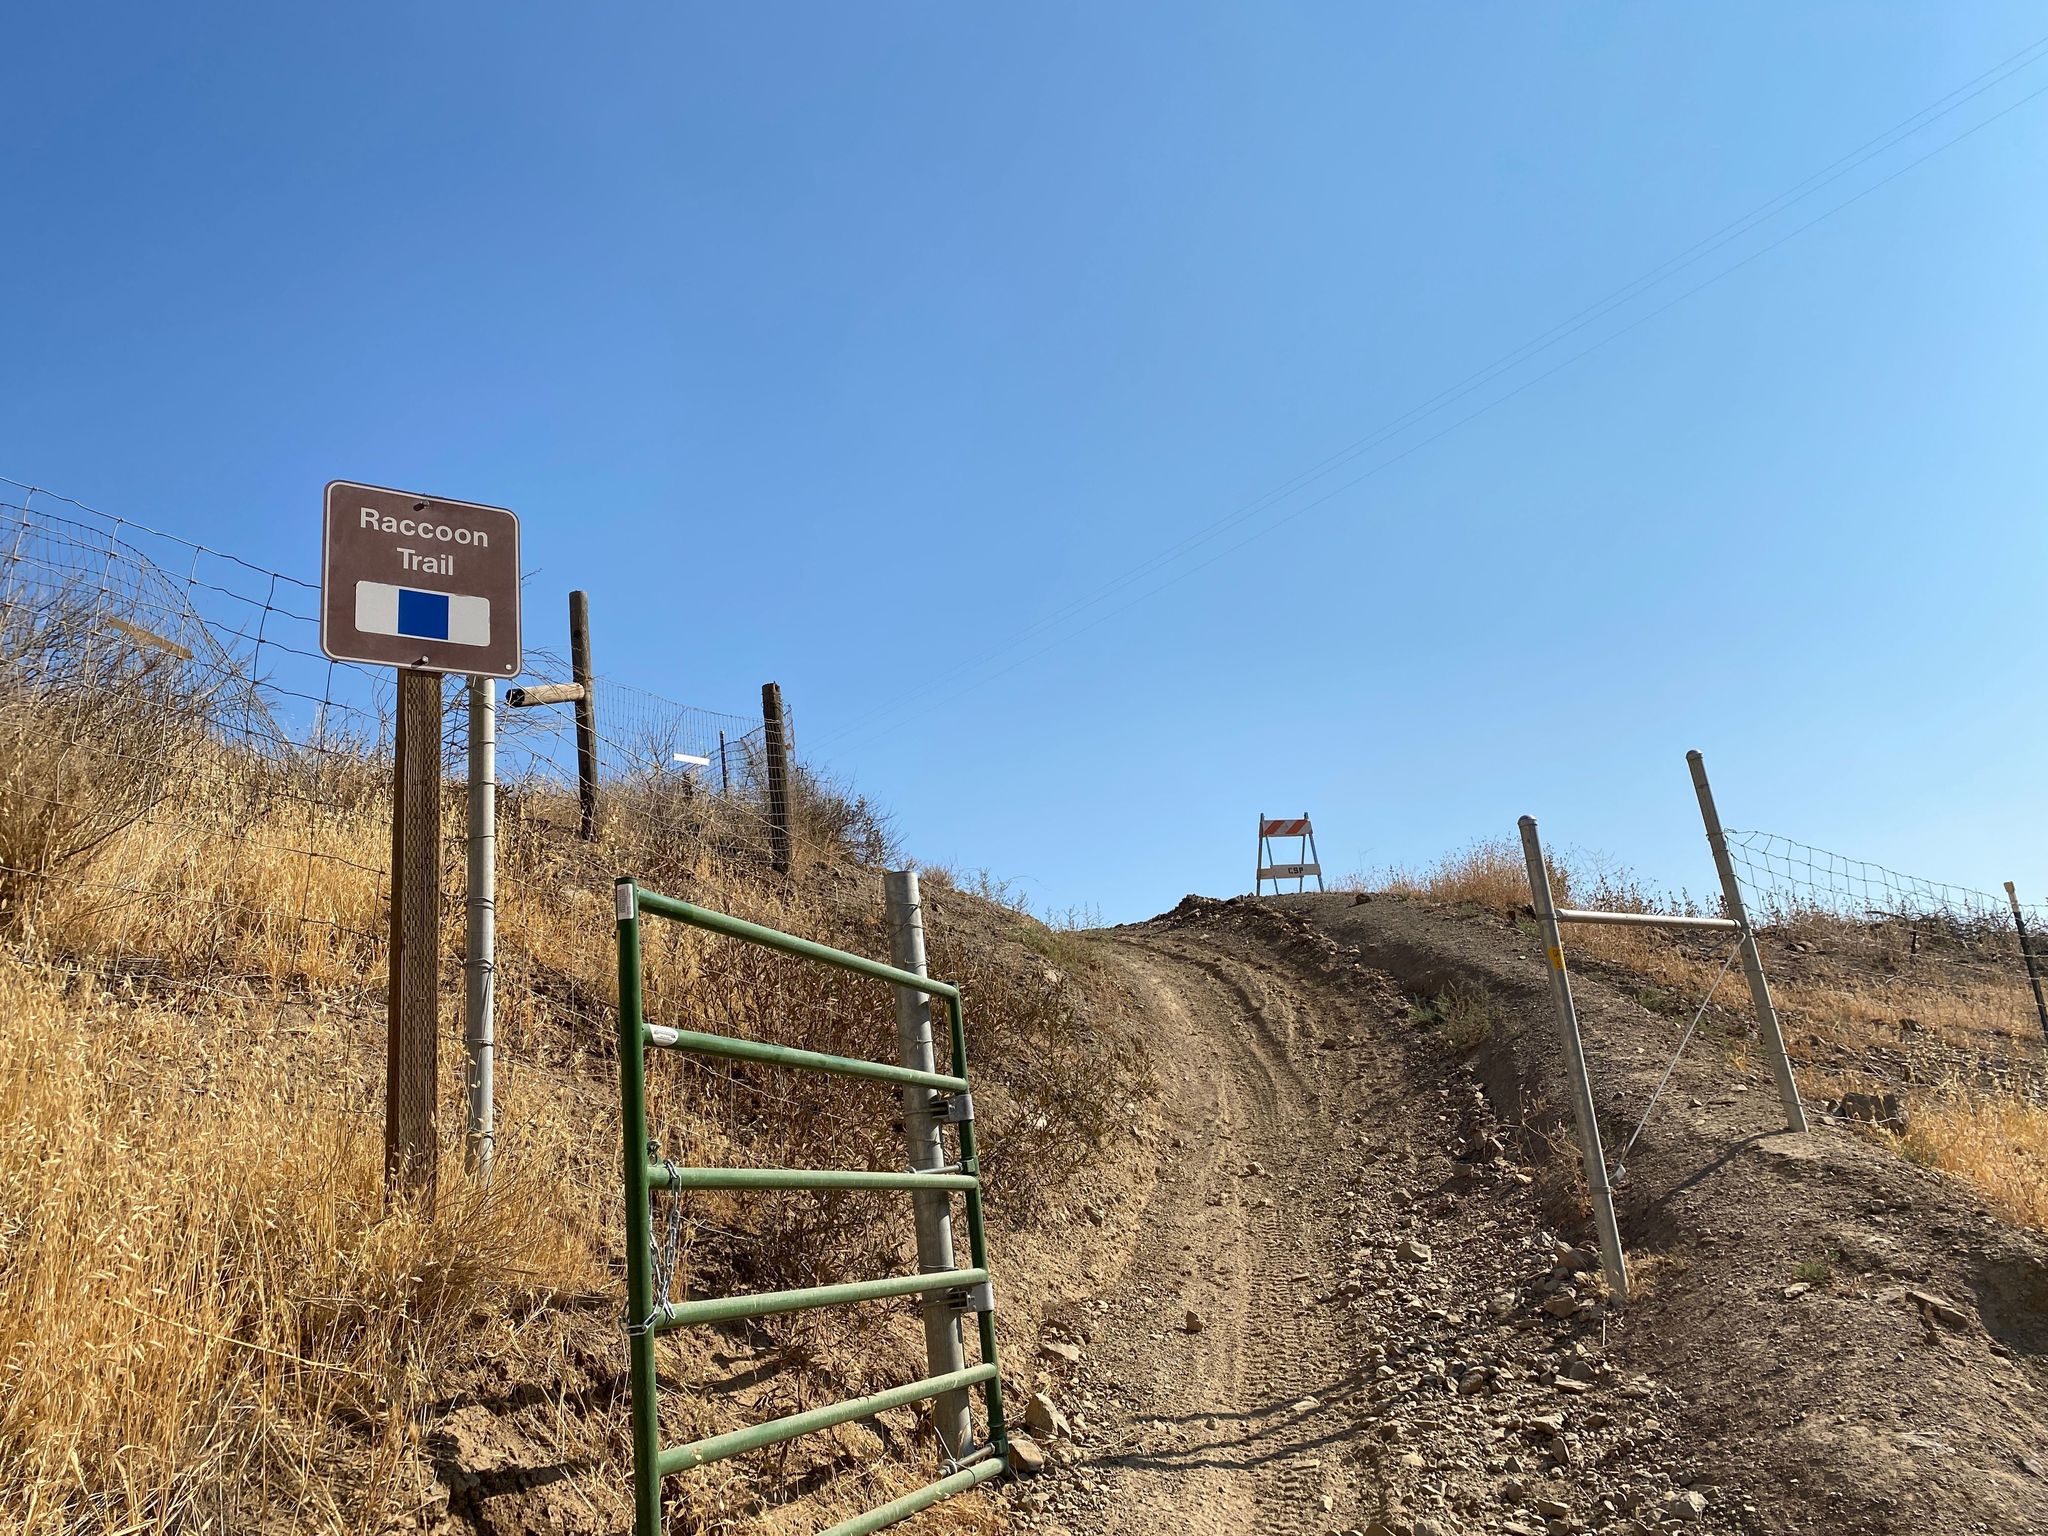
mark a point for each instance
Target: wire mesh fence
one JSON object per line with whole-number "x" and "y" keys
{"x": 1795, "y": 882}
{"x": 1852, "y": 933}
{"x": 194, "y": 796}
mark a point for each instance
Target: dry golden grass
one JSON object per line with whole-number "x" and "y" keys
{"x": 208, "y": 1322}
{"x": 199, "y": 1269}
{"x": 1996, "y": 1141}
{"x": 1491, "y": 874}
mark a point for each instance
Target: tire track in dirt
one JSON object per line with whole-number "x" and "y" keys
{"x": 1236, "y": 1424}
{"x": 1402, "y": 1327}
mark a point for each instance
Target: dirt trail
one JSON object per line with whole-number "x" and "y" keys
{"x": 1216, "y": 1340}
{"x": 1395, "y": 1330}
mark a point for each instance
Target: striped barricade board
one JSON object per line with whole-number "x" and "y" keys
{"x": 1299, "y": 869}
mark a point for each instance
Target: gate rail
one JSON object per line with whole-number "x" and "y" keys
{"x": 646, "y": 1171}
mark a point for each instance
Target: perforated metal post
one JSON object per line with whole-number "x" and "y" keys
{"x": 1612, "y": 1262}
{"x": 1752, "y": 962}
{"x": 977, "y": 1237}
{"x": 945, "y": 1351}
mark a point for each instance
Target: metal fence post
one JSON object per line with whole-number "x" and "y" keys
{"x": 945, "y": 1350}
{"x": 776, "y": 741}
{"x": 1752, "y": 962}
{"x": 586, "y": 712}
{"x": 977, "y": 1235}
{"x": 639, "y": 1220}
{"x": 479, "y": 962}
{"x": 2027, "y": 954}
{"x": 1612, "y": 1261}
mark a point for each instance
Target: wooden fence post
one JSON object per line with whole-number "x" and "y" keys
{"x": 2027, "y": 954}
{"x": 775, "y": 739}
{"x": 586, "y": 712}
{"x": 412, "y": 998}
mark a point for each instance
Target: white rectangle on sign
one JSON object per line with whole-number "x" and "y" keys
{"x": 1290, "y": 871}
{"x": 416, "y": 613}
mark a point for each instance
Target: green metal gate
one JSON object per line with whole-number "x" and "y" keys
{"x": 648, "y": 1316}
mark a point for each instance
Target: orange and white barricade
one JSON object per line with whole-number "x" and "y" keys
{"x": 1271, "y": 868}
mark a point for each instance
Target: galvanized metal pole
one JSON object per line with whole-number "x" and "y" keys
{"x": 1259, "y": 860}
{"x": 479, "y": 960}
{"x": 412, "y": 999}
{"x": 945, "y": 1349}
{"x": 640, "y": 1299}
{"x": 2027, "y": 954}
{"x": 724, "y": 772}
{"x": 1612, "y": 1261}
{"x": 1752, "y": 962}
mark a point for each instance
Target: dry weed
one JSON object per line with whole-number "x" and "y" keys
{"x": 206, "y": 1316}
{"x": 1888, "y": 1005}
{"x": 1997, "y": 1142}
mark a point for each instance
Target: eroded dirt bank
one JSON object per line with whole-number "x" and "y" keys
{"x": 1356, "y": 1291}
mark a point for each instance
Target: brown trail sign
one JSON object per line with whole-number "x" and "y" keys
{"x": 427, "y": 586}
{"x": 413, "y": 581}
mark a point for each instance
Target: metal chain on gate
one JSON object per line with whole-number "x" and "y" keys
{"x": 668, "y": 1249}
{"x": 668, "y": 1252}
{"x": 1621, "y": 1163}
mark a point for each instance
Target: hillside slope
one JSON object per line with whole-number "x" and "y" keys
{"x": 1340, "y": 1301}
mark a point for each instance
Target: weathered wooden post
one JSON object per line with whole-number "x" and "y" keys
{"x": 412, "y": 996}
{"x": 775, "y": 737}
{"x": 2027, "y": 954}
{"x": 586, "y": 713}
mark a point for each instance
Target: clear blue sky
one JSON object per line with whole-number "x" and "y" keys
{"x": 838, "y": 344}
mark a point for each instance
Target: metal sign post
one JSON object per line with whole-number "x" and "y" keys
{"x": 480, "y": 965}
{"x": 429, "y": 587}
{"x": 1307, "y": 864}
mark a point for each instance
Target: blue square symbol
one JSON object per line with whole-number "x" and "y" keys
{"x": 422, "y": 615}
